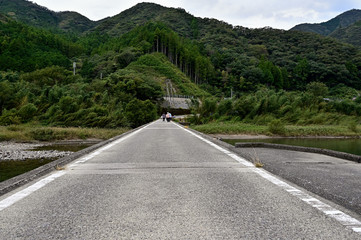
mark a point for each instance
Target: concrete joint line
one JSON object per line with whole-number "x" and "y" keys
{"x": 341, "y": 217}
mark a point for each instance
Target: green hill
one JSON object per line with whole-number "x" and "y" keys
{"x": 123, "y": 62}
{"x": 345, "y": 27}
{"x": 142, "y": 13}
{"x": 326, "y": 28}
{"x": 350, "y": 34}
{"x": 25, "y": 48}
{"x": 39, "y": 16}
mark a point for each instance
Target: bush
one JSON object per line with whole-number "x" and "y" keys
{"x": 317, "y": 89}
{"x": 68, "y": 104}
{"x": 27, "y": 112}
{"x": 9, "y": 117}
{"x": 43, "y": 134}
{"x": 225, "y": 107}
{"x": 140, "y": 112}
{"x": 353, "y": 127}
{"x": 277, "y": 127}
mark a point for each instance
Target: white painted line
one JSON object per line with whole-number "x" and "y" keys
{"x": 7, "y": 202}
{"x": 338, "y": 215}
{"x": 100, "y": 150}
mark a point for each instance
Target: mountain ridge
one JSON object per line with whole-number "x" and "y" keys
{"x": 123, "y": 63}
{"x": 40, "y": 16}
{"x": 345, "y": 27}
{"x": 326, "y": 28}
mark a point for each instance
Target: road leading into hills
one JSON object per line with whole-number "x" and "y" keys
{"x": 166, "y": 182}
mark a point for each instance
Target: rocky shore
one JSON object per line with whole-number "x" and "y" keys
{"x": 23, "y": 151}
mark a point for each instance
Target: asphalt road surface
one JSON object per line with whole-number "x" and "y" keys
{"x": 165, "y": 182}
{"x": 335, "y": 179}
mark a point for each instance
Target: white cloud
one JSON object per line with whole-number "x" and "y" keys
{"x": 248, "y": 13}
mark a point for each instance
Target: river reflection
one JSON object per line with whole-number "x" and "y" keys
{"x": 12, "y": 168}
{"x": 347, "y": 145}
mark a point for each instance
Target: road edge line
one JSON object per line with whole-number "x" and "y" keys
{"x": 344, "y": 219}
{"x": 25, "y": 178}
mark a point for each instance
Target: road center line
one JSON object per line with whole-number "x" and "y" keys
{"x": 341, "y": 217}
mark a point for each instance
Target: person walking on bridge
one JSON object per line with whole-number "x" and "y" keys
{"x": 168, "y": 116}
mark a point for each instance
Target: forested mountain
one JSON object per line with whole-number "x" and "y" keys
{"x": 326, "y": 28}
{"x": 123, "y": 62}
{"x": 350, "y": 34}
{"x": 143, "y": 13}
{"x": 39, "y": 16}
{"x": 346, "y": 27}
{"x": 25, "y": 48}
{"x": 282, "y": 59}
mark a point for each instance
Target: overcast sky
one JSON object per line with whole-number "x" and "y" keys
{"x": 282, "y": 14}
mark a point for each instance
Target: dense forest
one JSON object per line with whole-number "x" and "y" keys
{"x": 123, "y": 62}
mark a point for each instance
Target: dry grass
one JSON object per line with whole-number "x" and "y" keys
{"x": 29, "y": 133}
{"x": 255, "y": 159}
{"x": 59, "y": 168}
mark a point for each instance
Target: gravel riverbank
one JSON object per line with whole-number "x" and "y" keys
{"x": 23, "y": 151}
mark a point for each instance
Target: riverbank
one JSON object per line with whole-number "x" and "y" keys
{"x": 37, "y": 133}
{"x": 28, "y": 146}
{"x": 23, "y": 151}
{"x": 10, "y": 150}
{"x": 18, "y": 158}
{"x": 263, "y": 131}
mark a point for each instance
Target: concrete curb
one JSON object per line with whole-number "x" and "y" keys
{"x": 20, "y": 180}
{"x": 238, "y": 146}
{"x": 213, "y": 139}
{"x": 347, "y": 156}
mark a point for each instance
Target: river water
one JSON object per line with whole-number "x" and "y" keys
{"x": 16, "y": 159}
{"x": 347, "y": 145}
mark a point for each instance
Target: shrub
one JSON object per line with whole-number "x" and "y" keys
{"x": 9, "y": 117}
{"x": 225, "y": 107}
{"x": 15, "y": 128}
{"x": 353, "y": 127}
{"x": 68, "y": 104}
{"x": 277, "y": 127}
{"x": 317, "y": 89}
{"x": 42, "y": 134}
{"x": 27, "y": 112}
{"x": 140, "y": 112}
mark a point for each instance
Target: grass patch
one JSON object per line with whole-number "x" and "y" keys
{"x": 230, "y": 128}
{"x": 287, "y": 131}
{"x": 29, "y": 133}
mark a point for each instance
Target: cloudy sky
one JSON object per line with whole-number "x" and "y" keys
{"x": 282, "y": 14}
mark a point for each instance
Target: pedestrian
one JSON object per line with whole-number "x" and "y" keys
{"x": 168, "y": 116}
{"x": 163, "y": 116}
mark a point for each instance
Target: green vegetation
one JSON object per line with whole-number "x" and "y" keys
{"x": 345, "y": 27}
{"x": 39, "y": 16}
{"x": 29, "y": 133}
{"x": 350, "y": 34}
{"x": 284, "y": 113}
{"x": 236, "y": 127}
{"x": 279, "y": 80}
{"x": 24, "y": 48}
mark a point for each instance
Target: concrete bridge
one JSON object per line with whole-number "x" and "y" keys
{"x": 163, "y": 181}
